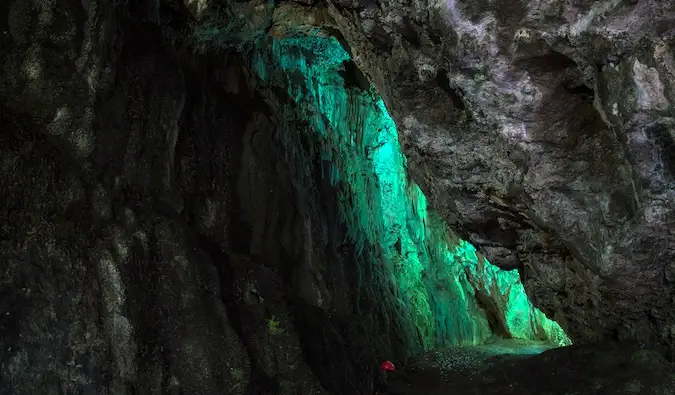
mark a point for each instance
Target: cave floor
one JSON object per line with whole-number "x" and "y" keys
{"x": 522, "y": 368}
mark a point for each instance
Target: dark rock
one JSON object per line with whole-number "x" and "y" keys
{"x": 117, "y": 152}
{"x": 571, "y": 102}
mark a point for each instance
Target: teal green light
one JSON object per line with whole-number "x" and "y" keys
{"x": 435, "y": 275}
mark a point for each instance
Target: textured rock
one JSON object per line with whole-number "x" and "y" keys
{"x": 154, "y": 238}
{"x": 124, "y": 163}
{"x": 542, "y": 131}
{"x": 115, "y": 298}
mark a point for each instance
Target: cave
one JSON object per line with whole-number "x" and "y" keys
{"x": 337, "y": 197}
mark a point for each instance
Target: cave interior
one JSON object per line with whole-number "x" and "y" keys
{"x": 251, "y": 197}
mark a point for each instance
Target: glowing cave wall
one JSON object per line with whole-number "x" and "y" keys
{"x": 435, "y": 276}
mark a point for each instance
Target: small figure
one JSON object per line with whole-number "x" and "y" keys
{"x": 382, "y": 386}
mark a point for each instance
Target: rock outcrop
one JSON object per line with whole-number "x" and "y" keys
{"x": 543, "y": 133}
{"x": 152, "y": 238}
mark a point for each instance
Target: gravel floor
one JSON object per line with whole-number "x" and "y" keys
{"x": 433, "y": 370}
{"x": 531, "y": 368}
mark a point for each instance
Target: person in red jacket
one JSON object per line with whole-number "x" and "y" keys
{"x": 382, "y": 386}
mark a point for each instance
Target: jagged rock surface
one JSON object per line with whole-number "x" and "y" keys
{"x": 543, "y": 132}
{"x": 152, "y": 240}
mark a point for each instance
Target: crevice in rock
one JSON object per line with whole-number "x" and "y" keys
{"x": 260, "y": 383}
{"x": 664, "y": 136}
{"x": 379, "y": 37}
{"x": 551, "y": 61}
{"x": 443, "y": 81}
{"x": 353, "y": 77}
{"x": 492, "y": 311}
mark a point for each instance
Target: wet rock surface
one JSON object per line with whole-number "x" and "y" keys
{"x": 518, "y": 368}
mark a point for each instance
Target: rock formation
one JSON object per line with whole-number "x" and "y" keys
{"x": 543, "y": 133}
{"x": 209, "y": 196}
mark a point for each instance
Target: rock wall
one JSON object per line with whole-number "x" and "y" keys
{"x": 152, "y": 238}
{"x": 442, "y": 292}
{"x": 542, "y": 131}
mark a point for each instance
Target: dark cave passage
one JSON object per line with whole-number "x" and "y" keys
{"x": 379, "y": 207}
{"x": 442, "y": 293}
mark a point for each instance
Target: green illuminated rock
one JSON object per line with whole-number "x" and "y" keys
{"x": 446, "y": 293}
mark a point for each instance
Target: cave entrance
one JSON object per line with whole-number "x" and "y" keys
{"x": 444, "y": 296}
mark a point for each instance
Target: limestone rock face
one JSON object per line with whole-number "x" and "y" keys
{"x": 544, "y": 133}
{"x": 103, "y": 291}
{"x": 141, "y": 246}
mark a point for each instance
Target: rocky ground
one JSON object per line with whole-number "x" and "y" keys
{"x": 521, "y": 368}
